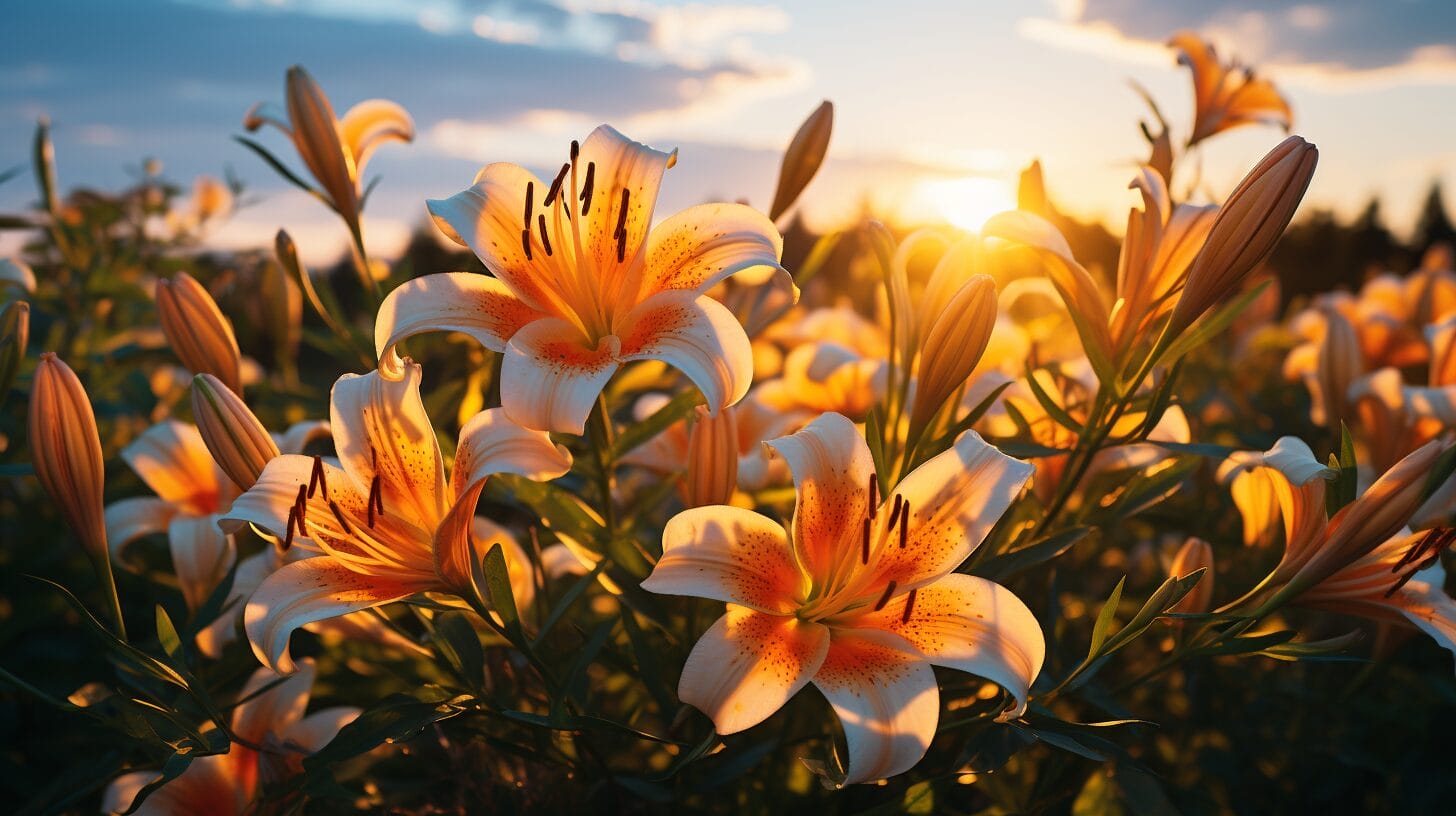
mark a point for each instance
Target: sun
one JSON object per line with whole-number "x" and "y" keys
{"x": 968, "y": 202}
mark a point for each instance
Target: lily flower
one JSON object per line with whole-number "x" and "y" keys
{"x": 860, "y": 598}
{"x": 198, "y": 331}
{"x": 1226, "y": 95}
{"x": 579, "y": 285}
{"x": 334, "y": 150}
{"x": 66, "y": 450}
{"x": 271, "y": 720}
{"x": 388, "y": 523}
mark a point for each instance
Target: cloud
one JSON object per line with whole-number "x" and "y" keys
{"x": 1334, "y": 43}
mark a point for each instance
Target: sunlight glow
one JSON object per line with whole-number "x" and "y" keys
{"x": 967, "y": 202}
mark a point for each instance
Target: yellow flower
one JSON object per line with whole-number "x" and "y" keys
{"x": 389, "y": 523}
{"x": 1226, "y": 95}
{"x": 860, "y": 598}
{"x": 580, "y": 287}
{"x": 334, "y": 150}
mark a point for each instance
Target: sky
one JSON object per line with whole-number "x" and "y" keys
{"x": 938, "y": 103}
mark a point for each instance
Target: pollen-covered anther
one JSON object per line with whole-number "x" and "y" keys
{"x": 885, "y": 597}
{"x": 909, "y": 606}
{"x": 376, "y": 500}
{"x": 621, "y": 232}
{"x": 545, "y": 242}
{"x": 1422, "y": 555}
{"x": 587, "y": 185}
{"x": 864, "y": 552}
{"x": 316, "y": 479}
{"x": 530, "y": 203}
{"x": 339, "y": 514}
{"x": 905, "y": 525}
{"x": 874, "y": 491}
{"x": 555, "y": 188}
{"x": 526, "y": 243}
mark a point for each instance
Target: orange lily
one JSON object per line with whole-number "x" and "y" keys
{"x": 580, "y": 287}
{"x": 860, "y": 599}
{"x": 388, "y": 523}
{"x": 271, "y": 720}
{"x": 1227, "y": 95}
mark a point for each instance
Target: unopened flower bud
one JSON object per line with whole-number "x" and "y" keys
{"x": 14, "y": 334}
{"x": 712, "y": 474}
{"x": 1338, "y": 362}
{"x": 953, "y": 347}
{"x": 1195, "y": 554}
{"x": 236, "y": 439}
{"x": 1248, "y": 225}
{"x": 66, "y": 450}
{"x": 803, "y": 157}
{"x": 199, "y": 333}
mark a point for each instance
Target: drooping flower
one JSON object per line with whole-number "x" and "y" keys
{"x": 579, "y": 285}
{"x": 271, "y": 719}
{"x": 388, "y": 523}
{"x": 859, "y": 599}
{"x": 1226, "y": 95}
{"x": 334, "y": 150}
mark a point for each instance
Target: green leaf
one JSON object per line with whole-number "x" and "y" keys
{"x": 167, "y": 633}
{"x": 576, "y": 677}
{"x": 818, "y": 258}
{"x": 874, "y": 436}
{"x": 1441, "y": 472}
{"x": 567, "y": 600}
{"x": 129, "y": 656}
{"x": 1002, "y": 567}
{"x": 1165, "y": 597}
{"x": 1205, "y": 450}
{"x": 281, "y": 169}
{"x": 560, "y": 510}
{"x": 649, "y": 668}
{"x": 1213, "y": 325}
{"x": 395, "y": 719}
{"x": 1149, "y": 486}
{"x": 1101, "y": 629}
{"x": 459, "y": 643}
{"x": 492, "y": 584}
{"x": 640, "y": 433}
{"x": 1346, "y": 482}
{"x": 1316, "y": 651}
{"x": 1053, "y": 410}
{"x": 1021, "y": 449}
{"x": 965, "y": 423}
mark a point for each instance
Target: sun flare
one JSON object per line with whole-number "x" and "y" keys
{"x": 968, "y": 202}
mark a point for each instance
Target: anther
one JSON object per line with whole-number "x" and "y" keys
{"x": 874, "y": 495}
{"x": 292, "y": 519}
{"x": 905, "y": 526}
{"x": 587, "y": 185}
{"x": 375, "y": 500}
{"x": 545, "y": 242}
{"x": 530, "y": 201}
{"x": 526, "y": 243}
{"x": 575, "y": 150}
{"x": 895, "y": 510}
{"x": 316, "y": 478}
{"x": 884, "y": 598}
{"x": 556, "y": 185}
{"x": 300, "y": 503}
{"x": 864, "y": 552}
{"x": 621, "y": 233}
{"x": 339, "y": 514}
{"x": 909, "y": 605}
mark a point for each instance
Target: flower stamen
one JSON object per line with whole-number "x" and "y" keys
{"x": 909, "y": 606}
{"x": 884, "y": 598}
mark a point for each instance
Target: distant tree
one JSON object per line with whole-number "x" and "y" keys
{"x": 1372, "y": 246}
{"x": 1434, "y": 225}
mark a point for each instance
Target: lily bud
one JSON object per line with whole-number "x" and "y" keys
{"x": 1031, "y": 191}
{"x": 316, "y": 137}
{"x": 802, "y": 158}
{"x": 1247, "y": 227}
{"x": 66, "y": 450}
{"x": 1195, "y": 554}
{"x": 14, "y": 334}
{"x": 712, "y": 474}
{"x": 953, "y": 347}
{"x": 1338, "y": 362}
{"x": 199, "y": 333}
{"x": 236, "y": 439}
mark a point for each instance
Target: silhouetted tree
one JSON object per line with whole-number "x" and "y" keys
{"x": 1434, "y": 225}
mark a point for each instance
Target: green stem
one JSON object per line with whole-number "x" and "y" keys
{"x": 602, "y": 439}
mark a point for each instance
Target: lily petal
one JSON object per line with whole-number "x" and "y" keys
{"x": 381, "y": 428}
{"x": 703, "y": 245}
{"x": 549, "y": 380}
{"x": 748, "y": 664}
{"x": 319, "y": 728}
{"x": 488, "y": 218}
{"x": 629, "y": 173}
{"x": 971, "y": 624}
{"x": 491, "y": 443}
{"x": 371, "y": 123}
{"x": 271, "y": 705}
{"x": 306, "y": 591}
{"x": 173, "y": 460}
{"x": 201, "y": 555}
{"x": 130, "y": 519}
{"x": 832, "y": 469}
{"x": 477, "y": 305}
{"x": 954, "y": 500}
{"x": 886, "y": 699}
{"x": 728, "y": 554}
{"x": 209, "y": 785}
{"x": 696, "y": 335}
{"x": 249, "y": 576}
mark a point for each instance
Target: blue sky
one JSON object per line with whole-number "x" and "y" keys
{"x": 923, "y": 91}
